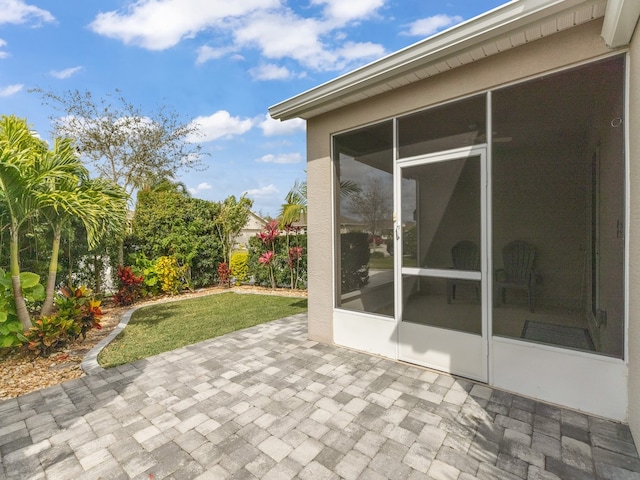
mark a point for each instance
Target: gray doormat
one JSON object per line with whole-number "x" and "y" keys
{"x": 572, "y": 337}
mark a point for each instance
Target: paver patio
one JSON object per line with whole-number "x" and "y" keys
{"x": 267, "y": 403}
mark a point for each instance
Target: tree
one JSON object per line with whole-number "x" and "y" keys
{"x": 232, "y": 218}
{"x": 99, "y": 204}
{"x": 168, "y": 222}
{"x": 25, "y": 165}
{"x": 122, "y": 143}
{"x": 296, "y": 200}
{"x": 296, "y": 204}
{"x": 373, "y": 205}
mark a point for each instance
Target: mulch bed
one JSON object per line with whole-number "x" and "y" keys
{"x": 21, "y": 372}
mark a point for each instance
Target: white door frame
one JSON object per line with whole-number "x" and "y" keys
{"x": 472, "y": 347}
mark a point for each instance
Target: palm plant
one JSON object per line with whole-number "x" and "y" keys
{"x": 19, "y": 171}
{"x": 296, "y": 200}
{"x": 55, "y": 184}
{"x": 99, "y": 204}
{"x": 296, "y": 204}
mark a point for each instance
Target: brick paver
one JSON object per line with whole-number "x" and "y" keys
{"x": 267, "y": 403}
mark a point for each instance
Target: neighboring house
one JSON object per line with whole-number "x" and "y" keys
{"x": 254, "y": 225}
{"x": 513, "y": 126}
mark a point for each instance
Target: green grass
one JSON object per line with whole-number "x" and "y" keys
{"x": 160, "y": 328}
{"x": 381, "y": 263}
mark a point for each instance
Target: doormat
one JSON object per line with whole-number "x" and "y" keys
{"x": 572, "y": 337}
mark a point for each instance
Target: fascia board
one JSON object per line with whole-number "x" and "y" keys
{"x": 620, "y": 20}
{"x": 513, "y": 16}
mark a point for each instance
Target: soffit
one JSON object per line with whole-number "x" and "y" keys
{"x": 499, "y": 30}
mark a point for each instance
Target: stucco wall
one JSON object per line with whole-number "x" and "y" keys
{"x": 634, "y": 240}
{"x": 569, "y": 47}
{"x": 319, "y": 239}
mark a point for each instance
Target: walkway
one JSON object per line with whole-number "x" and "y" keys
{"x": 267, "y": 403}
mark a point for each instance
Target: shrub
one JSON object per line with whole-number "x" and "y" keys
{"x": 129, "y": 286}
{"x": 80, "y": 306}
{"x": 239, "y": 267}
{"x": 147, "y": 269}
{"x": 282, "y": 268}
{"x": 10, "y": 327}
{"x": 170, "y": 274}
{"x": 224, "y": 274}
{"x": 354, "y": 257}
{"x": 48, "y": 334}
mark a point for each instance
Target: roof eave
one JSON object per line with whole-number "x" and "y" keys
{"x": 620, "y": 22}
{"x": 509, "y": 17}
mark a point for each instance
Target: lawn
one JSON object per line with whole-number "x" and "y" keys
{"x": 160, "y": 328}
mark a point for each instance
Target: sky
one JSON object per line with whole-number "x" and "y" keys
{"x": 220, "y": 63}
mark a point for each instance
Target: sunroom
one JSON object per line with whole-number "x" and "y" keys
{"x": 475, "y": 193}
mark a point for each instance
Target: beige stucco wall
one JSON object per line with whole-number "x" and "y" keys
{"x": 566, "y": 48}
{"x": 634, "y": 240}
{"x": 319, "y": 239}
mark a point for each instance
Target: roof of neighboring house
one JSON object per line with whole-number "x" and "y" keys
{"x": 503, "y": 28}
{"x": 256, "y": 218}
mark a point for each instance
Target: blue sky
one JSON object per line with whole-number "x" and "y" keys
{"x": 221, "y": 63}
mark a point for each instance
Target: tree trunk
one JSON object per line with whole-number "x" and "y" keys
{"x": 121, "y": 252}
{"x": 97, "y": 274}
{"x": 21, "y": 306}
{"x": 47, "y": 306}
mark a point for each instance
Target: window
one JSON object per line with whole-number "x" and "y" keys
{"x": 364, "y": 167}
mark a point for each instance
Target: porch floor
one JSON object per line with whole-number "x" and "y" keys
{"x": 267, "y": 403}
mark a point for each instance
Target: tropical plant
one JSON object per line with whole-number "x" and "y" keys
{"x": 294, "y": 255}
{"x": 268, "y": 236}
{"x": 282, "y": 269}
{"x": 49, "y": 334}
{"x": 79, "y": 305}
{"x": 99, "y": 204}
{"x": 130, "y": 286}
{"x": 22, "y": 166}
{"x": 232, "y": 218}
{"x": 147, "y": 270}
{"x": 10, "y": 326}
{"x": 131, "y": 148}
{"x": 167, "y": 222}
{"x": 296, "y": 204}
{"x": 170, "y": 274}
{"x": 224, "y": 274}
{"x": 239, "y": 268}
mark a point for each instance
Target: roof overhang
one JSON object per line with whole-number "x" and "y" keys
{"x": 620, "y": 22}
{"x": 506, "y": 27}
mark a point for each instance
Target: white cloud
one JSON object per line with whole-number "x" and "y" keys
{"x": 263, "y": 192}
{"x": 281, "y": 158}
{"x": 352, "y": 10}
{"x": 206, "y": 53}
{"x": 305, "y": 41}
{"x": 161, "y": 24}
{"x": 17, "y": 11}
{"x": 10, "y": 90}
{"x": 66, "y": 73}
{"x": 268, "y": 26}
{"x": 200, "y": 188}
{"x": 3, "y": 44}
{"x": 271, "y": 127}
{"x": 220, "y": 125}
{"x": 270, "y": 72}
{"x": 354, "y": 51}
{"x": 430, "y": 25}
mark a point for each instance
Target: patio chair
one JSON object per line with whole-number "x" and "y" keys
{"x": 465, "y": 256}
{"x": 518, "y": 272}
